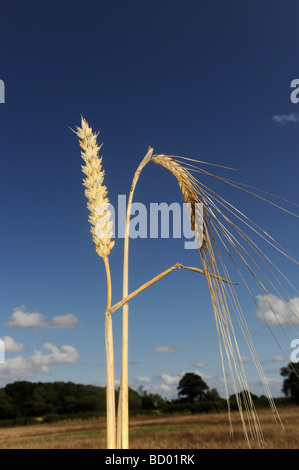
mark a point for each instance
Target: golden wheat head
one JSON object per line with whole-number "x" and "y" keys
{"x": 96, "y": 192}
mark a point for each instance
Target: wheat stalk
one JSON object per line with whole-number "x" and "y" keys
{"x": 102, "y": 232}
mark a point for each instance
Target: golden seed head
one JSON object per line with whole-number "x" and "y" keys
{"x": 96, "y": 192}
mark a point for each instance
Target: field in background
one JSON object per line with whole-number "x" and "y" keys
{"x": 201, "y": 431}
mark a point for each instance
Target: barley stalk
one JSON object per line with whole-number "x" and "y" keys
{"x": 193, "y": 192}
{"x": 124, "y": 387}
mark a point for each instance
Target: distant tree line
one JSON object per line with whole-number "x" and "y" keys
{"x": 26, "y": 399}
{"x": 23, "y": 402}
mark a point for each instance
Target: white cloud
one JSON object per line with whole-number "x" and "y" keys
{"x": 285, "y": 118}
{"x": 166, "y": 349}
{"x": 163, "y": 388}
{"x": 21, "y": 367}
{"x": 275, "y": 311}
{"x": 167, "y": 384}
{"x": 36, "y": 320}
{"x": 65, "y": 355}
{"x": 271, "y": 381}
{"x": 170, "y": 380}
{"x": 199, "y": 364}
{"x": 145, "y": 380}
{"x": 68, "y": 320}
{"x": 274, "y": 359}
{"x": 174, "y": 379}
{"x": 242, "y": 359}
{"x": 11, "y": 345}
{"x": 20, "y": 319}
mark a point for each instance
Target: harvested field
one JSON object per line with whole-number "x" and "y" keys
{"x": 202, "y": 431}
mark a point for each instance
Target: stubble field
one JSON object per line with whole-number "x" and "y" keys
{"x": 202, "y": 431}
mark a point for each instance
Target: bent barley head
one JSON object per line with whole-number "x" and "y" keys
{"x": 96, "y": 192}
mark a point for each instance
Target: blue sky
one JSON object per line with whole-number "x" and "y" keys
{"x": 195, "y": 78}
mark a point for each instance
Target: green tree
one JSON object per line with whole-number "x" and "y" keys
{"x": 149, "y": 401}
{"x": 290, "y": 385}
{"x": 192, "y": 388}
{"x": 134, "y": 400}
{"x": 36, "y": 406}
{"x": 7, "y": 409}
{"x": 20, "y": 394}
{"x": 212, "y": 395}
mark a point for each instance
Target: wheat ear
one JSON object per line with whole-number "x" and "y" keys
{"x": 102, "y": 231}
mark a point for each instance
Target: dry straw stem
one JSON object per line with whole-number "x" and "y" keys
{"x": 158, "y": 278}
{"x": 110, "y": 390}
{"x": 102, "y": 230}
{"x": 123, "y": 439}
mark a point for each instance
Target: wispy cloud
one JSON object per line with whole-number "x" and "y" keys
{"x": 36, "y": 320}
{"x": 21, "y": 367}
{"x": 169, "y": 383}
{"x": 275, "y": 311}
{"x": 169, "y": 379}
{"x": 285, "y": 118}
{"x": 166, "y": 349}
{"x": 199, "y": 364}
{"x": 12, "y": 345}
{"x": 256, "y": 333}
{"x": 244, "y": 359}
{"x": 163, "y": 388}
{"x": 274, "y": 359}
{"x": 145, "y": 380}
